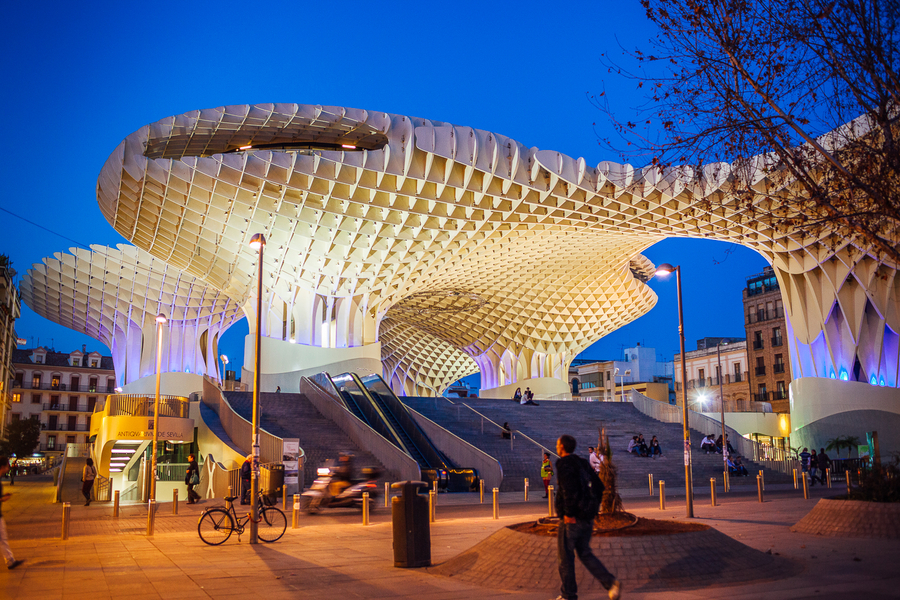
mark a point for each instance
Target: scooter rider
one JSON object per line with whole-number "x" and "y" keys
{"x": 342, "y": 474}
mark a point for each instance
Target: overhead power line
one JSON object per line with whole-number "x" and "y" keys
{"x": 45, "y": 229}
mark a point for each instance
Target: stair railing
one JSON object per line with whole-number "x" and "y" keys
{"x": 513, "y": 432}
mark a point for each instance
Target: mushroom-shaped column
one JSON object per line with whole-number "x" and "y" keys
{"x": 114, "y": 296}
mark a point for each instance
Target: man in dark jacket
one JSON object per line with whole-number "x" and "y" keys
{"x": 246, "y": 476}
{"x": 575, "y": 528}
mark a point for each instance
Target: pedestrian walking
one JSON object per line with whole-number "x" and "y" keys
{"x": 11, "y": 562}
{"x": 88, "y": 474}
{"x": 577, "y": 503}
{"x": 192, "y": 478}
{"x": 13, "y": 467}
{"x": 546, "y": 473}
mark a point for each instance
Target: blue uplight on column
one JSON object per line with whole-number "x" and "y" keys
{"x": 843, "y": 375}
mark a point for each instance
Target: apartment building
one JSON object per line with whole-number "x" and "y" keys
{"x": 716, "y": 360}
{"x": 10, "y": 309}
{"x": 639, "y": 368}
{"x": 60, "y": 389}
{"x": 770, "y": 369}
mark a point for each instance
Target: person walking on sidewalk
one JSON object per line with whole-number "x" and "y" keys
{"x": 11, "y": 562}
{"x": 192, "y": 478}
{"x": 577, "y": 481}
{"x": 87, "y": 480}
{"x": 546, "y": 473}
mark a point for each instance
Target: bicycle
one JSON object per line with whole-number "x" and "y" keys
{"x": 217, "y": 524}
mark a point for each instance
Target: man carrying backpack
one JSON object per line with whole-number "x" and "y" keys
{"x": 577, "y": 503}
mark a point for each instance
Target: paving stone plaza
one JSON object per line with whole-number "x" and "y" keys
{"x": 333, "y": 555}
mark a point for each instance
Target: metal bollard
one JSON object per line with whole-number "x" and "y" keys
{"x": 431, "y": 506}
{"x": 796, "y": 485}
{"x": 481, "y": 491}
{"x": 175, "y": 502}
{"x": 116, "y": 505}
{"x": 67, "y": 511}
{"x": 762, "y": 475}
{"x": 650, "y": 479}
{"x": 550, "y": 501}
{"x": 496, "y": 503}
{"x": 283, "y": 496}
{"x": 805, "y": 487}
{"x": 759, "y": 486}
{"x": 712, "y": 491}
{"x": 387, "y": 494}
{"x": 151, "y": 515}
{"x": 662, "y": 495}
{"x": 526, "y": 489}
{"x": 365, "y": 499}
{"x": 725, "y": 481}
{"x": 828, "y": 476}
{"x": 296, "y": 518}
{"x": 848, "y": 481}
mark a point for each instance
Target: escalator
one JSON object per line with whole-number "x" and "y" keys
{"x": 373, "y": 402}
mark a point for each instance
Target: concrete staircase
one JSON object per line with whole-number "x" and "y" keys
{"x": 546, "y": 422}
{"x": 294, "y": 416}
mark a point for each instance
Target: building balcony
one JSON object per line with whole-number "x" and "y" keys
{"x": 780, "y": 394}
{"x": 760, "y": 316}
{"x": 778, "y": 368}
{"x": 760, "y": 370}
{"x": 777, "y": 341}
{"x": 66, "y": 407}
{"x": 64, "y": 427}
{"x": 758, "y": 344}
{"x": 62, "y": 387}
{"x": 763, "y": 397}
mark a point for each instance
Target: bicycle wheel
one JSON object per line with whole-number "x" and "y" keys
{"x": 272, "y": 524}
{"x": 215, "y": 526}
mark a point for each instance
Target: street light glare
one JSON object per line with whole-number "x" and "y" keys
{"x": 257, "y": 241}
{"x": 664, "y": 269}
{"x": 161, "y": 318}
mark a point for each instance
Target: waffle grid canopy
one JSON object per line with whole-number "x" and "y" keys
{"x": 459, "y": 250}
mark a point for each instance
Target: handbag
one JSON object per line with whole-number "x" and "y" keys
{"x": 195, "y": 478}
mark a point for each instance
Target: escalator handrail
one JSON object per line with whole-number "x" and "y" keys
{"x": 368, "y": 397}
{"x": 389, "y": 395}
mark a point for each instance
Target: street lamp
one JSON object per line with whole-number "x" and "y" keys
{"x": 662, "y": 271}
{"x": 627, "y": 373}
{"x": 258, "y": 243}
{"x": 722, "y": 415}
{"x": 224, "y": 360}
{"x": 160, "y": 321}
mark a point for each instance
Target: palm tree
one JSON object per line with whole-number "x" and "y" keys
{"x": 842, "y": 441}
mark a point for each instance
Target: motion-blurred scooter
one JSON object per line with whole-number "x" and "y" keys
{"x": 330, "y": 490}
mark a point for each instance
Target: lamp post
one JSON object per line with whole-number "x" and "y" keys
{"x": 160, "y": 321}
{"x": 663, "y": 270}
{"x": 722, "y": 411}
{"x": 258, "y": 243}
{"x": 224, "y": 360}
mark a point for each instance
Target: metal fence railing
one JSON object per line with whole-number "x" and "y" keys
{"x": 141, "y": 405}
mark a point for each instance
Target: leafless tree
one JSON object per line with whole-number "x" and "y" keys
{"x": 805, "y": 92}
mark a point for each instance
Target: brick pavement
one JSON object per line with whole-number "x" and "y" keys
{"x": 105, "y": 558}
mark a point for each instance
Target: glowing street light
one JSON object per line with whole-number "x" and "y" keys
{"x": 160, "y": 321}
{"x": 224, "y": 360}
{"x": 662, "y": 271}
{"x": 258, "y": 243}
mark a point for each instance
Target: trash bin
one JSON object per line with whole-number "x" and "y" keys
{"x": 412, "y": 532}
{"x": 271, "y": 479}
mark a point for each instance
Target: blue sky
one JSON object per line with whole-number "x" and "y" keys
{"x": 78, "y": 78}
